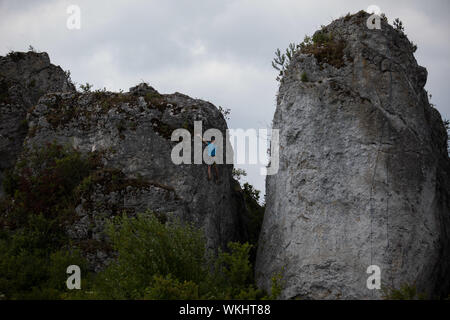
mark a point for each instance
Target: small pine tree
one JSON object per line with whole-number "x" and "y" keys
{"x": 86, "y": 87}
{"x": 282, "y": 60}
{"x": 398, "y": 25}
{"x": 225, "y": 112}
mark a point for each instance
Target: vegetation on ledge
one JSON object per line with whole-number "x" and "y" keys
{"x": 157, "y": 258}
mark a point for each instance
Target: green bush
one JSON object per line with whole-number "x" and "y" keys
{"x": 256, "y": 216}
{"x": 282, "y": 60}
{"x": 158, "y": 259}
{"x": 146, "y": 248}
{"x": 233, "y": 274}
{"x": 169, "y": 288}
{"x": 398, "y": 25}
{"x": 324, "y": 47}
{"x": 86, "y": 87}
{"x": 277, "y": 285}
{"x": 44, "y": 182}
{"x": 34, "y": 249}
{"x": 406, "y": 292}
{"x": 30, "y": 266}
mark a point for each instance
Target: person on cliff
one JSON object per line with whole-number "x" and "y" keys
{"x": 212, "y": 153}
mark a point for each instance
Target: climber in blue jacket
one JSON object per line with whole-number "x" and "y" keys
{"x": 212, "y": 153}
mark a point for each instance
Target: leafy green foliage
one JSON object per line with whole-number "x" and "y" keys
{"x": 398, "y": 25}
{"x": 86, "y": 87}
{"x": 225, "y": 112}
{"x": 277, "y": 286}
{"x": 154, "y": 98}
{"x": 406, "y": 292}
{"x": 146, "y": 247}
{"x": 238, "y": 173}
{"x": 256, "y": 212}
{"x": 162, "y": 259}
{"x": 43, "y": 183}
{"x": 34, "y": 250}
{"x": 16, "y": 56}
{"x": 157, "y": 257}
{"x": 33, "y": 261}
{"x": 68, "y": 77}
{"x": 324, "y": 47}
{"x": 233, "y": 271}
{"x": 282, "y": 60}
{"x": 169, "y": 288}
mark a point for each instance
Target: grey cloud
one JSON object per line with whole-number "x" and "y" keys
{"x": 216, "y": 50}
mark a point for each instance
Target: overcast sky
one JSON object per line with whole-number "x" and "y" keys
{"x": 220, "y": 51}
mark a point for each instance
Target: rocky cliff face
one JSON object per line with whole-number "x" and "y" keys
{"x": 24, "y": 78}
{"x": 364, "y": 173}
{"x": 129, "y": 134}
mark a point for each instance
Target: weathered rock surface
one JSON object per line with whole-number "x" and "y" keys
{"x": 131, "y": 131}
{"x": 24, "y": 78}
{"x": 364, "y": 172}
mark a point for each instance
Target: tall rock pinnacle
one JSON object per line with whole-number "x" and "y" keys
{"x": 364, "y": 173}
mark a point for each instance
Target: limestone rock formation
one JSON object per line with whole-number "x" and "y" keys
{"x": 131, "y": 132}
{"x": 364, "y": 173}
{"x": 24, "y": 78}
